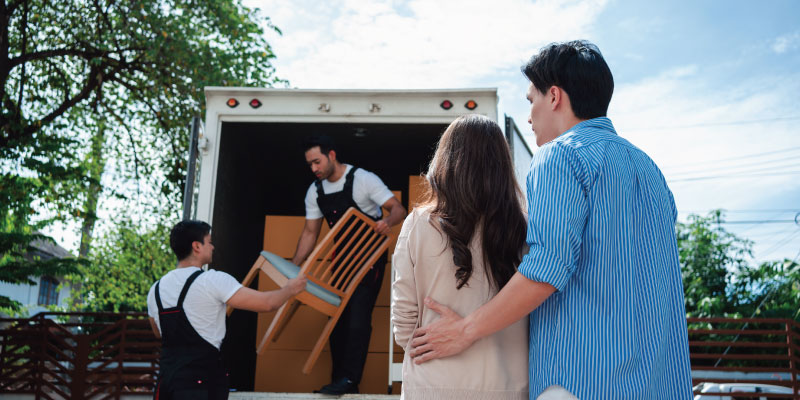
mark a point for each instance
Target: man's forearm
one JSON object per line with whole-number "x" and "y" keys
{"x": 275, "y": 298}
{"x": 396, "y": 216}
{"x": 253, "y": 300}
{"x": 304, "y": 247}
{"x": 155, "y": 328}
{"x": 518, "y": 298}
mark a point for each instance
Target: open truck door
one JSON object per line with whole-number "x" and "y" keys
{"x": 521, "y": 153}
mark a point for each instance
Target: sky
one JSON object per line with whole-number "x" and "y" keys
{"x": 709, "y": 89}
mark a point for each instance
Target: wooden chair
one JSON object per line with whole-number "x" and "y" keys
{"x": 333, "y": 269}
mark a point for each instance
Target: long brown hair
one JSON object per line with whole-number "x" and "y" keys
{"x": 471, "y": 185}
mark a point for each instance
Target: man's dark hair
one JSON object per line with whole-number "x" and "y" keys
{"x": 185, "y": 233}
{"x": 325, "y": 143}
{"x": 579, "y": 69}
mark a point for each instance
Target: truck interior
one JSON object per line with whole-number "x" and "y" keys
{"x": 262, "y": 171}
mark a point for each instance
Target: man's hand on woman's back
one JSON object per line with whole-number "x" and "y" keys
{"x": 443, "y": 338}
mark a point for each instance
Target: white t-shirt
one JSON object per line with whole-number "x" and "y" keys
{"x": 369, "y": 193}
{"x": 204, "y": 303}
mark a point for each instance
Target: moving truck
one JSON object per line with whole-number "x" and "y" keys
{"x": 252, "y": 184}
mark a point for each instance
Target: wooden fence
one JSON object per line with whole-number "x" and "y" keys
{"x": 752, "y": 350}
{"x": 106, "y": 355}
{"x": 83, "y": 356}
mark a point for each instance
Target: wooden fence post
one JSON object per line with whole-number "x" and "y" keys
{"x": 121, "y": 356}
{"x": 39, "y": 356}
{"x": 80, "y": 364}
{"x": 792, "y": 365}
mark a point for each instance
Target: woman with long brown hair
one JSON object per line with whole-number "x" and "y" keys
{"x": 460, "y": 247}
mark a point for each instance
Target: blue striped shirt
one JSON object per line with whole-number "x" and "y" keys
{"x": 601, "y": 230}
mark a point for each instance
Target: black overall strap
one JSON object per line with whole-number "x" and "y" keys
{"x": 186, "y": 287}
{"x": 348, "y": 184}
{"x": 183, "y": 291}
{"x": 158, "y": 298}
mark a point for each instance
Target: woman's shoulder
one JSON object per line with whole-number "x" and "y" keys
{"x": 419, "y": 221}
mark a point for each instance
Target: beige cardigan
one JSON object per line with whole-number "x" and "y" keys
{"x": 495, "y": 367}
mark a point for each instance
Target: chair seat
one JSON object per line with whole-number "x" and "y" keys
{"x": 290, "y": 271}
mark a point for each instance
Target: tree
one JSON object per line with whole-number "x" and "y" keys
{"x": 720, "y": 280}
{"x": 772, "y": 290}
{"x": 85, "y": 84}
{"x": 124, "y": 265}
{"x": 708, "y": 253}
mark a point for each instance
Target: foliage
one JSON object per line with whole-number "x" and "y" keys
{"x": 124, "y": 265}
{"x": 719, "y": 280}
{"x": 90, "y": 86}
{"x": 19, "y": 258}
{"x": 708, "y": 253}
{"x": 772, "y": 290}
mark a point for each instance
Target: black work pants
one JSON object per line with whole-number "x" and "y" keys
{"x": 195, "y": 382}
{"x": 350, "y": 337}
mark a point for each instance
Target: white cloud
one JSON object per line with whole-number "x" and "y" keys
{"x": 787, "y": 42}
{"x": 686, "y": 122}
{"x": 419, "y": 44}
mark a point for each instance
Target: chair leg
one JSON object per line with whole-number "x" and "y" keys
{"x": 292, "y": 308}
{"x": 276, "y": 321}
{"x": 323, "y": 338}
{"x": 248, "y": 279}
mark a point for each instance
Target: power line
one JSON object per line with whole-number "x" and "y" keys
{"x": 773, "y": 215}
{"x": 737, "y": 170}
{"x": 702, "y": 178}
{"x": 752, "y": 210}
{"x": 737, "y": 157}
{"x": 779, "y": 244}
{"x": 763, "y": 221}
{"x": 774, "y": 232}
{"x": 707, "y": 124}
{"x": 793, "y": 158}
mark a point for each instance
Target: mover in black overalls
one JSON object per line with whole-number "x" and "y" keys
{"x": 187, "y": 310}
{"x": 337, "y": 188}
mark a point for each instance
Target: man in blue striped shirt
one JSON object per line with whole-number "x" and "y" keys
{"x": 601, "y": 281}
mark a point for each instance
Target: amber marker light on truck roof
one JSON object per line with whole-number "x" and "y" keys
{"x": 255, "y": 103}
{"x": 471, "y": 105}
{"x": 232, "y": 102}
{"x": 447, "y": 104}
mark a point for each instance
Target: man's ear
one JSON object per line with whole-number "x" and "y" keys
{"x": 555, "y": 95}
{"x": 196, "y": 246}
{"x": 332, "y": 155}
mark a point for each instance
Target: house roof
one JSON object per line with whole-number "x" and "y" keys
{"x": 50, "y": 249}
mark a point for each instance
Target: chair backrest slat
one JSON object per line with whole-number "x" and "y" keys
{"x": 342, "y": 255}
{"x": 348, "y": 250}
{"x": 314, "y": 263}
{"x": 350, "y": 284}
{"x": 319, "y": 264}
{"x": 325, "y": 243}
{"x": 355, "y": 259}
{"x": 345, "y": 246}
